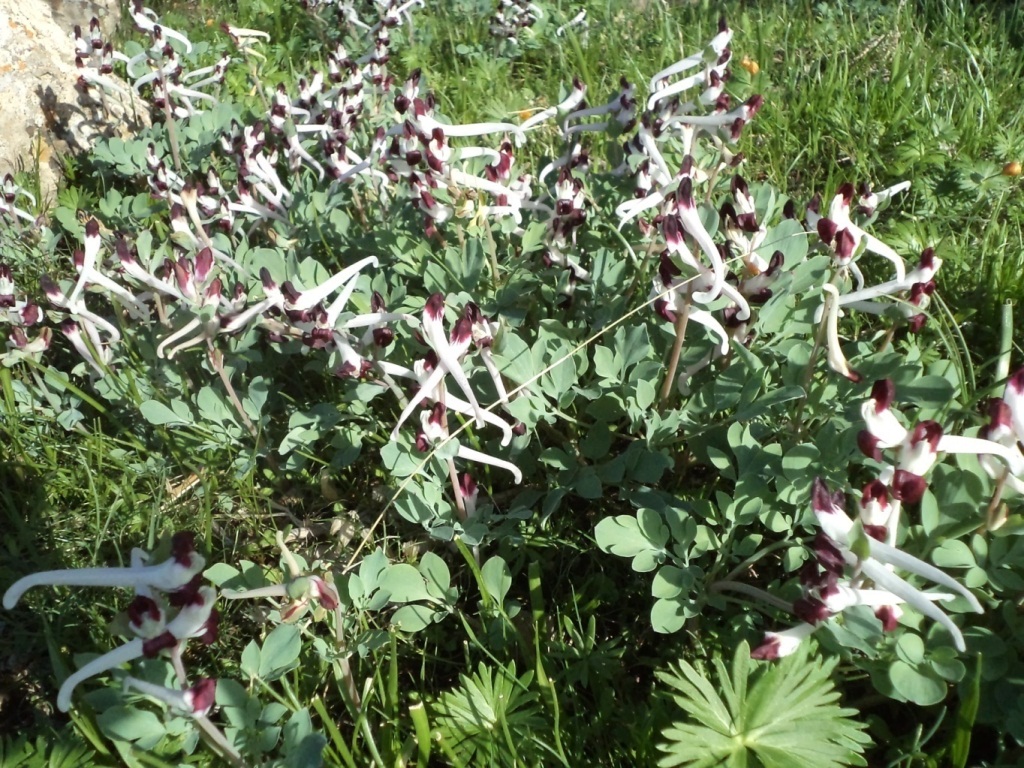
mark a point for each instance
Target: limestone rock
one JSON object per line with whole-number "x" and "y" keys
{"x": 43, "y": 114}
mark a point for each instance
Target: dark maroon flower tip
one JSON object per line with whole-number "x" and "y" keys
{"x": 789, "y": 210}
{"x": 847, "y": 191}
{"x": 727, "y": 213}
{"x": 917, "y": 323}
{"x": 927, "y": 260}
{"x": 876, "y": 490}
{"x": 318, "y": 338}
{"x": 868, "y": 445}
{"x": 825, "y": 501}
{"x": 1000, "y": 414}
{"x": 462, "y": 331}
{"x": 827, "y": 230}
{"x": 142, "y": 608}
{"x": 204, "y": 263}
{"x": 92, "y": 228}
{"x": 928, "y": 431}
{"x": 827, "y": 555}
{"x": 437, "y": 413}
{"x": 291, "y": 295}
{"x": 50, "y": 288}
{"x": 908, "y": 487}
{"x": 1016, "y": 382}
{"x": 383, "y": 337}
{"x": 30, "y": 314}
{"x": 738, "y": 185}
{"x": 684, "y": 193}
{"x": 876, "y": 532}
{"x": 736, "y": 129}
{"x": 883, "y": 392}
{"x": 210, "y": 628}
{"x": 821, "y": 496}
{"x": 268, "y": 282}
{"x": 775, "y": 263}
{"x": 810, "y": 574}
{"x": 183, "y": 545}
{"x": 811, "y": 610}
{"x": 662, "y": 310}
{"x": 434, "y": 308}
{"x": 748, "y": 222}
{"x": 844, "y": 244}
{"x": 152, "y": 647}
{"x": 203, "y": 695}
{"x": 918, "y": 291}
{"x": 187, "y": 594}
{"x": 887, "y": 615}
{"x": 767, "y": 651}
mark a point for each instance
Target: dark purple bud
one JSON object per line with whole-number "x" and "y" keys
{"x": 811, "y": 610}
{"x": 927, "y": 431}
{"x": 183, "y": 546}
{"x": 844, "y": 244}
{"x": 142, "y": 608}
{"x": 152, "y": 647}
{"x": 908, "y": 487}
{"x": 30, "y": 314}
{"x": 823, "y": 500}
{"x": 876, "y": 532}
{"x": 883, "y": 392}
{"x": 434, "y": 308}
{"x": 204, "y": 263}
{"x": 209, "y": 636}
{"x": 202, "y": 696}
{"x": 868, "y": 445}
{"x": 1000, "y": 414}
{"x": 827, "y": 230}
{"x": 917, "y": 323}
{"x": 827, "y": 554}
{"x": 767, "y": 650}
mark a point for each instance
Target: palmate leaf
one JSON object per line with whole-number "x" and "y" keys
{"x": 492, "y": 718}
{"x": 778, "y": 715}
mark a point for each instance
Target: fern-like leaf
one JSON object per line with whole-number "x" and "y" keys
{"x": 776, "y": 715}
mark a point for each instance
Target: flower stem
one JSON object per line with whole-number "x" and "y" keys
{"x": 677, "y": 347}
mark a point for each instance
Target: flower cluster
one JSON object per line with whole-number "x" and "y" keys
{"x": 513, "y": 16}
{"x": 851, "y": 557}
{"x": 851, "y": 568}
{"x": 902, "y": 480}
{"x": 846, "y": 240}
{"x": 170, "y": 607}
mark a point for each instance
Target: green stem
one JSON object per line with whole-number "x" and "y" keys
{"x": 749, "y": 591}
{"x": 547, "y": 687}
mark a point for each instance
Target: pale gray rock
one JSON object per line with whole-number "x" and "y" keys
{"x": 43, "y": 115}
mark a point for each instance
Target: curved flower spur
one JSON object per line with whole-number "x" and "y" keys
{"x": 160, "y": 588}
